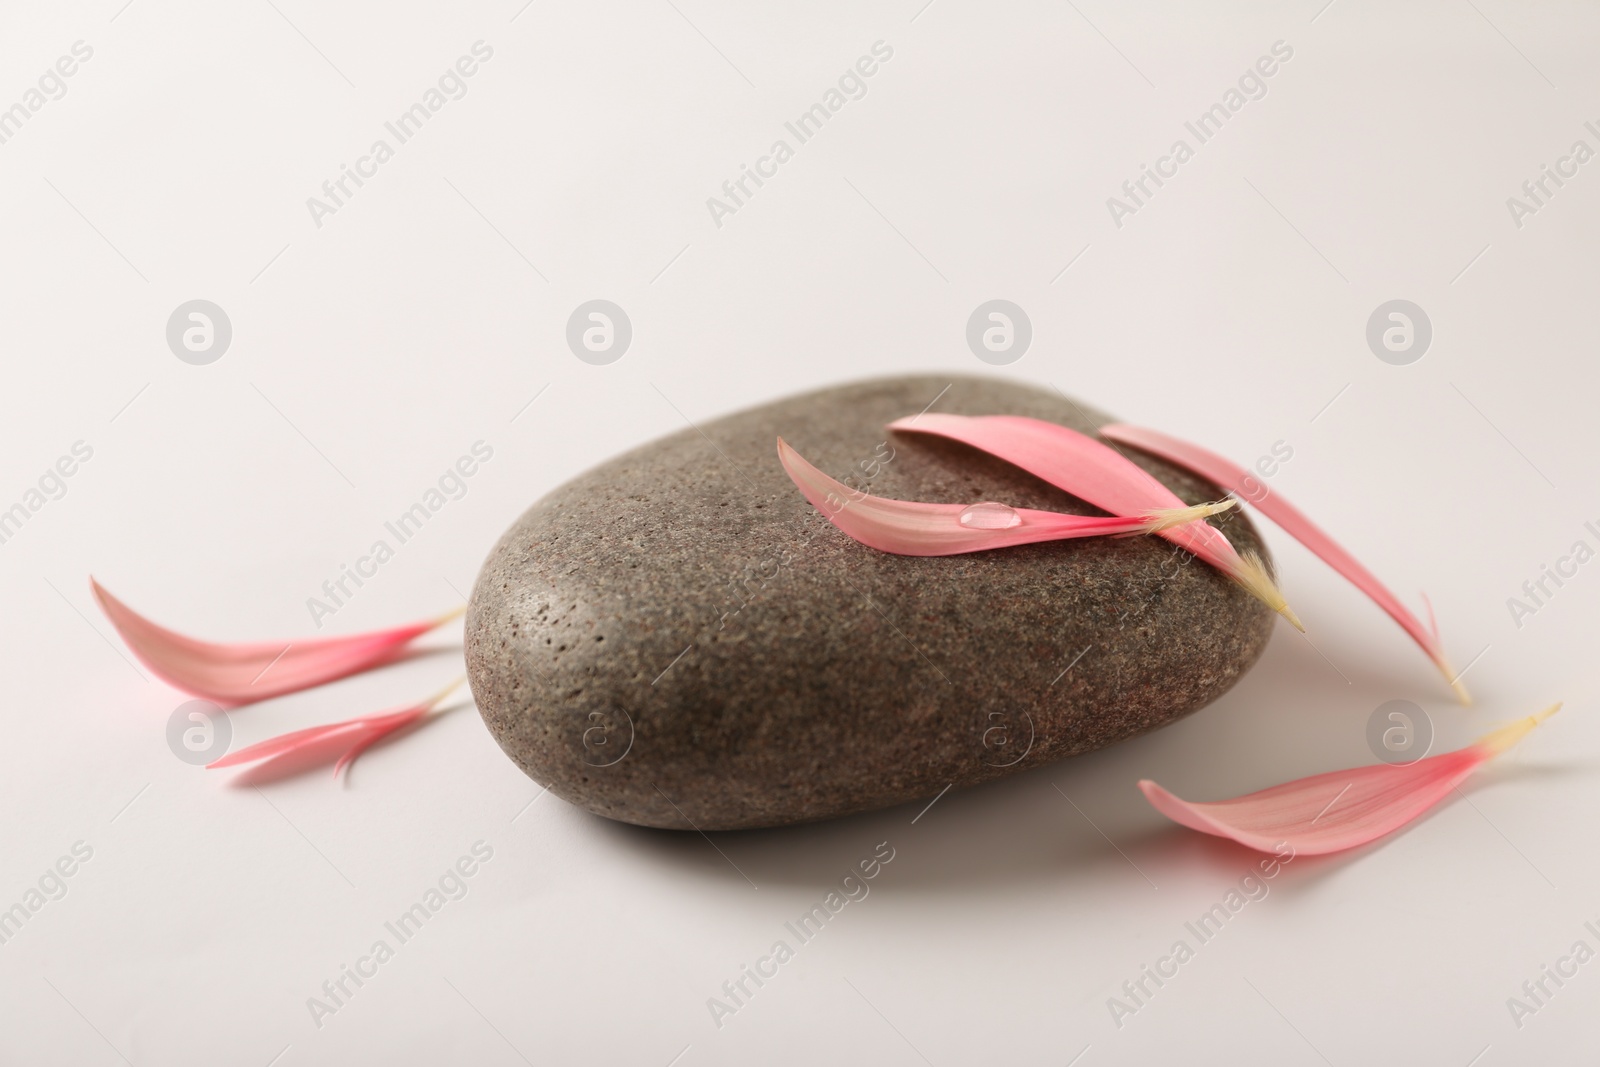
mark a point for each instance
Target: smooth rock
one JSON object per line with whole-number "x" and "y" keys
{"x": 678, "y": 639}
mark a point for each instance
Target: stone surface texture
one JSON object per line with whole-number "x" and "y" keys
{"x": 678, "y": 639}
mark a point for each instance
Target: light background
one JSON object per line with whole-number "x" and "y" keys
{"x": 368, "y": 353}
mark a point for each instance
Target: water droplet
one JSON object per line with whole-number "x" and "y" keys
{"x": 990, "y": 516}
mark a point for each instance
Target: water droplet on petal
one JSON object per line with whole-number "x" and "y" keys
{"x": 990, "y": 516}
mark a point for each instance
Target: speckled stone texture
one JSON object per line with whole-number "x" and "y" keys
{"x": 678, "y": 639}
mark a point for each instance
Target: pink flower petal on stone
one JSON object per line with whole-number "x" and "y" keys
{"x": 909, "y": 528}
{"x": 1341, "y": 809}
{"x": 1094, "y": 472}
{"x": 355, "y": 736}
{"x": 1231, "y": 476}
{"x": 245, "y": 672}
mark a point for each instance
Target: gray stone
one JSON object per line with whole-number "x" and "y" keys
{"x": 678, "y": 639}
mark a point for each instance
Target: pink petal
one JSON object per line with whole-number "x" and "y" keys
{"x": 1231, "y": 476}
{"x": 245, "y": 672}
{"x": 1094, "y": 472}
{"x": 290, "y": 742}
{"x": 360, "y": 733}
{"x": 909, "y": 528}
{"x": 1341, "y": 809}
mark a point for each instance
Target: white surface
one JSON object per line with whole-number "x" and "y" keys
{"x": 415, "y": 321}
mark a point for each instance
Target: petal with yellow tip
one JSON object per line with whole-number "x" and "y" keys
{"x": 1340, "y": 809}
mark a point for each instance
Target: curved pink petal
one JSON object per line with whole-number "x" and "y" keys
{"x": 1099, "y": 474}
{"x": 289, "y": 742}
{"x": 1340, "y": 809}
{"x": 360, "y": 733}
{"x": 909, "y": 528}
{"x": 245, "y": 672}
{"x": 1231, "y": 476}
